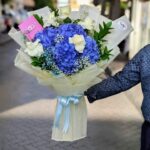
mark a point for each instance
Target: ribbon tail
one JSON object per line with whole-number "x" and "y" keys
{"x": 67, "y": 119}
{"x": 58, "y": 114}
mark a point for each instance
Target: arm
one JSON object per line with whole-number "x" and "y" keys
{"x": 122, "y": 81}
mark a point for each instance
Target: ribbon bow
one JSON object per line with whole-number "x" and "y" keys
{"x": 64, "y": 102}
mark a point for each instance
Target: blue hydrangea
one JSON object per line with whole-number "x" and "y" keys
{"x": 91, "y": 51}
{"x": 64, "y": 54}
{"x": 47, "y": 37}
{"x": 67, "y": 58}
{"x": 69, "y": 30}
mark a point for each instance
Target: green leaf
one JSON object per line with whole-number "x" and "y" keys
{"x": 38, "y": 61}
{"x": 105, "y": 53}
{"x": 103, "y": 31}
{"x": 76, "y": 21}
{"x": 39, "y": 19}
{"x": 56, "y": 11}
{"x": 67, "y": 20}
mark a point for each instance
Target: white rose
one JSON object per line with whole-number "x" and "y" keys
{"x": 34, "y": 49}
{"x": 87, "y": 23}
{"x": 78, "y": 41}
{"x": 50, "y": 20}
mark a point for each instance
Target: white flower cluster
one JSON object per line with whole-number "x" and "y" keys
{"x": 50, "y": 19}
{"x": 87, "y": 23}
{"x": 34, "y": 49}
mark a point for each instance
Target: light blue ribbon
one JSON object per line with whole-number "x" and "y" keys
{"x": 64, "y": 102}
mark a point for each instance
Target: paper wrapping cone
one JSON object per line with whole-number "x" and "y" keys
{"x": 78, "y": 123}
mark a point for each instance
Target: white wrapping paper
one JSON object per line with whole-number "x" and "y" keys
{"x": 78, "y": 83}
{"x": 77, "y": 124}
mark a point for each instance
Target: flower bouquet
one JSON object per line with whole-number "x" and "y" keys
{"x": 67, "y": 51}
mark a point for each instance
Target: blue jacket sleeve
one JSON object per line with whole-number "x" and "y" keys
{"x": 122, "y": 81}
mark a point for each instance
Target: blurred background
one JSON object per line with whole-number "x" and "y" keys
{"x": 27, "y": 109}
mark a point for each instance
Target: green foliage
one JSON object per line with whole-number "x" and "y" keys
{"x": 38, "y": 61}
{"x": 41, "y": 62}
{"x": 105, "y": 53}
{"x": 56, "y": 11}
{"x": 103, "y": 31}
{"x": 67, "y": 20}
{"x": 39, "y": 19}
{"x": 99, "y": 37}
{"x": 76, "y": 21}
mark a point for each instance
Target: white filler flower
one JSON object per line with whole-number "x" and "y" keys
{"x": 78, "y": 41}
{"x": 50, "y": 20}
{"x": 87, "y": 23}
{"x": 34, "y": 49}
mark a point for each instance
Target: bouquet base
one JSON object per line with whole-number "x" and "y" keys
{"x": 78, "y": 123}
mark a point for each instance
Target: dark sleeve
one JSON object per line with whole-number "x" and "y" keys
{"x": 122, "y": 81}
